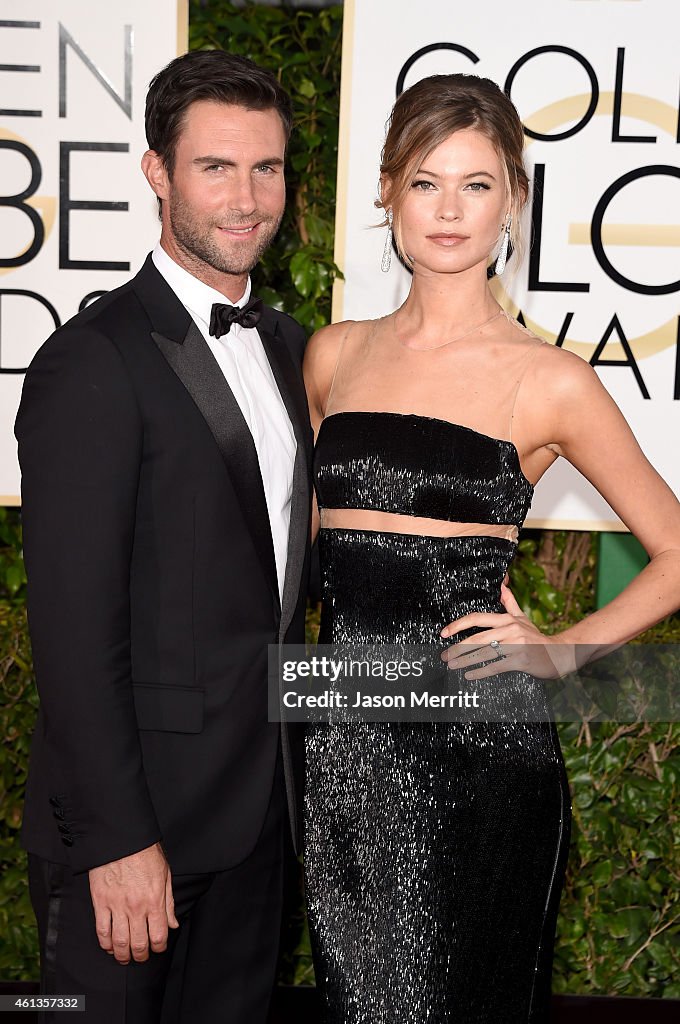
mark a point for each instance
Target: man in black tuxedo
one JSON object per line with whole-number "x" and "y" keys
{"x": 165, "y": 448}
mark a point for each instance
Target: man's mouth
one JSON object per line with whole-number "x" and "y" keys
{"x": 241, "y": 231}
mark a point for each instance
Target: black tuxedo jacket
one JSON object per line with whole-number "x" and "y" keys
{"x": 152, "y": 589}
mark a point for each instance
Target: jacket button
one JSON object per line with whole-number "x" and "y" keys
{"x": 67, "y": 840}
{"x": 58, "y": 813}
{"x": 54, "y": 802}
{"x": 64, "y": 829}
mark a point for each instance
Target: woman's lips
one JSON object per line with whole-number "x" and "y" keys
{"x": 448, "y": 240}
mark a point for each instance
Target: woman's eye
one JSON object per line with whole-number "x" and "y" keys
{"x": 478, "y": 186}
{"x": 424, "y": 186}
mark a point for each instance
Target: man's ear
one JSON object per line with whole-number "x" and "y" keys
{"x": 155, "y": 173}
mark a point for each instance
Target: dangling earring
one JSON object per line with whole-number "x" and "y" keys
{"x": 386, "y": 261}
{"x": 502, "y": 257}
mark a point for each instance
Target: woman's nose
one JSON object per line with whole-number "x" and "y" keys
{"x": 449, "y": 206}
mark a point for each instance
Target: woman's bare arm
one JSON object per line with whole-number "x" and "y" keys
{"x": 593, "y": 435}
{"x": 321, "y": 358}
{"x": 569, "y": 407}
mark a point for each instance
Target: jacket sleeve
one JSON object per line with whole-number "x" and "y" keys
{"x": 80, "y": 449}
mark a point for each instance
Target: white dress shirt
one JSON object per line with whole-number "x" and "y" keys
{"x": 243, "y": 361}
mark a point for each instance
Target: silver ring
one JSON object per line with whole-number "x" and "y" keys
{"x": 497, "y": 648}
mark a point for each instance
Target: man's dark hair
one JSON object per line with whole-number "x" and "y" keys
{"x": 207, "y": 75}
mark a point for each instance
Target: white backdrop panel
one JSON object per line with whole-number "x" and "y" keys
{"x": 71, "y": 132}
{"x": 603, "y": 75}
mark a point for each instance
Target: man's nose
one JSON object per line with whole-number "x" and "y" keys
{"x": 242, "y": 196}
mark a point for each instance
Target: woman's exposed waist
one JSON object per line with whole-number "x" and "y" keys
{"x": 393, "y": 522}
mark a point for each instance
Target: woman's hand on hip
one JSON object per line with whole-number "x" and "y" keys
{"x": 507, "y": 642}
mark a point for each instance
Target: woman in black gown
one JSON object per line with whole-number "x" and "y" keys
{"x": 435, "y": 853}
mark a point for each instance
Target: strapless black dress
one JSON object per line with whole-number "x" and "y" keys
{"x": 434, "y": 853}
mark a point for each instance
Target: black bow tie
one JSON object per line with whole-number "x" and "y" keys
{"x": 222, "y": 316}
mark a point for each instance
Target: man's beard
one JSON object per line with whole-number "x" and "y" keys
{"x": 198, "y": 241}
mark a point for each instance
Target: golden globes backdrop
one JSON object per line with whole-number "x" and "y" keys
{"x": 596, "y": 83}
{"x": 76, "y": 215}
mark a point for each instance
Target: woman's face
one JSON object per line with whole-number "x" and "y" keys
{"x": 456, "y": 207}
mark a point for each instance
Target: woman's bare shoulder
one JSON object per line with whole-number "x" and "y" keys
{"x": 328, "y": 338}
{"x": 324, "y": 346}
{"x": 519, "y": 335}
{"x": 565, "y": 372}
{"x": 321, "y": 358}
{"x": 567, "y": 368}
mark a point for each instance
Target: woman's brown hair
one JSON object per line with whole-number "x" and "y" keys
{"x": 426, "y": 115}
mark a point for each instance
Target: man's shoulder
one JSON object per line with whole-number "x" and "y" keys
{"x": 116, "y": 319}
{"x": 105, "y": 313}
{"x": 138, "y": 298}
{"x": 92, "y": 330}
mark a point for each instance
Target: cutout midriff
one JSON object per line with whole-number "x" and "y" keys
{"x": 393, "y": 522}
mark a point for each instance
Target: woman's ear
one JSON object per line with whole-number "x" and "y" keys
{"x": 385, "y": 190}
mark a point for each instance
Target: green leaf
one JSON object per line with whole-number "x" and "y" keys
{"x": 15, "y": 577}
{"x": 602, "y": 872}
{"x": 271, "y": 298}
{"x": 549, "y": 597}
{"x": 307, "y": 88}
{"x": 303, "y": 273}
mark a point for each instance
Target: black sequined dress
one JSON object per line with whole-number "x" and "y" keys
{"x": 434, "y": 853}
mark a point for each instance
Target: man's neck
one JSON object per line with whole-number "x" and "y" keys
{"x": 232, "y": 286}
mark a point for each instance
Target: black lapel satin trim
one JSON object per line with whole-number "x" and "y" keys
{"x": 167, "y": 314}
{"x": 55, "y": 879}
{"x": 199, "y": 371}
{"x": 287, "y": 379}
{"x": 291, "y": 388}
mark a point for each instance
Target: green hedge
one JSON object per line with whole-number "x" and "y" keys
{"x": 617, "y": 931}
{"x": 18, "y": 940}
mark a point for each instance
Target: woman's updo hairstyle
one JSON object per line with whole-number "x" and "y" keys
{"x": 426, "y": 115}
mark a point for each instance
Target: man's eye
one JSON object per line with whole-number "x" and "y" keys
{"x": 214, "y": 167}
{"x": 265, "y": 168}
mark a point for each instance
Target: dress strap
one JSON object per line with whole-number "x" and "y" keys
{"x": 528, "y": 360}
{"x": 337, "y": 364}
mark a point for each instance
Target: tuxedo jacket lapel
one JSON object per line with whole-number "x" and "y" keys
{"x": 187, "y": 352}
{"x": 199, "y": 371}
{"x": 293, "y": 395}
